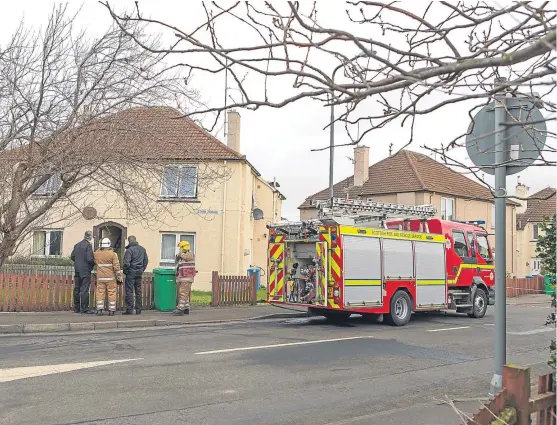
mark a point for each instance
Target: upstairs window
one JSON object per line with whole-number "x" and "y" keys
{"x": 447, "y": 209}
{"x": 47, "y": 243}
{"x": 535, "y": 231}
{"x": 50, "y": 187}
{"x": 179, "y": 182}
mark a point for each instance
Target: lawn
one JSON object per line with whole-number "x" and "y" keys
{"x": 204, "y": 297}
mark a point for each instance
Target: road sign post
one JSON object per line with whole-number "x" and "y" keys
{"x": 504, "y": 138}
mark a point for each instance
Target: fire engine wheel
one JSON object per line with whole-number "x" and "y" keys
{"x": 479, "y": 304}
{"x": 401, "y": 309}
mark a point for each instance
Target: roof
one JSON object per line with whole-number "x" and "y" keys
{"x": 540, "y": 205}
{"x": 408, "y": 171}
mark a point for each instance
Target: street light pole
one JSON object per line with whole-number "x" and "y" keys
{"x": 332, "y": 140}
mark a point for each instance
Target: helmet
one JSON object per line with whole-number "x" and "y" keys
{"x": 105, "y": 243}
{"x": 184, "y": 246}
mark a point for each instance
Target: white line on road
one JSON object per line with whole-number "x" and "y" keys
{"x": 448, "y": 329}
{"x": 288, "y": 344}
{"x": 533, "y": 331}
{"x": 15, "y": 373}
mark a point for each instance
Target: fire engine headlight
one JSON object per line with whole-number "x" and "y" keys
{"x": 336, "y": 293}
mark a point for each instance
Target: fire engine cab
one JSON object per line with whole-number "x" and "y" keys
{"x": 373, "y": 258}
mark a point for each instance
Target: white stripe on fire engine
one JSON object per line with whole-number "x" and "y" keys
{"x": 287, "y": 344}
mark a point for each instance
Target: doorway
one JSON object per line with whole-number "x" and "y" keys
{"x": 117, "y": 235}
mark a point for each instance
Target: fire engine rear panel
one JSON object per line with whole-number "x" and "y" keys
{"x": 430, "y": 274}
{"x": 362, "y": 271}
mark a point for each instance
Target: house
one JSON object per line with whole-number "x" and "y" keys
{"x": 206, "y": 192}
{"x": 413, "y": 178}
{"x": 530, "y": 215}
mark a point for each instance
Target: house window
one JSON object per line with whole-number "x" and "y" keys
{"x": 179, "y": 181}
{"x": 535, "y": 232}
{"x": 493, "y": 216}
{"x": 169, "y": 246}
{"x": 447, "y": 209}
{"x": 47, "y": 242}
{"x": 50, "y": 187}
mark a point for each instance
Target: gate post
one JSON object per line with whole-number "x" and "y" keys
{"x": 516, "y": 380}
{"x": 253, "y": 289}
{"x": 215, "y": 289}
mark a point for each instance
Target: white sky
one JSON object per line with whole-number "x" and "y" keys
{"x": 278, "y": 141}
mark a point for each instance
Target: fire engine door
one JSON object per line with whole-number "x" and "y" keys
{"x": 276, "y": 271}
{"x": 321, "y": 273}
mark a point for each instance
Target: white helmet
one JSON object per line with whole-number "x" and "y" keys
{"x": 105, "y": 243}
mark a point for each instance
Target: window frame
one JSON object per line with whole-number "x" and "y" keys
{"x": 47, "y": 243}
{"x": 444, "y": 208}
{"x": 177, "y": 196}
{"x": 472, "y": 249}
{"x": 535, "y": 231}
{"x": 465, "y": 238}
{"x": 490, "y": 252}
{"x": 47, "y": 185}
{"x": 493, "y": 216}
{"x": 177, "y": 236}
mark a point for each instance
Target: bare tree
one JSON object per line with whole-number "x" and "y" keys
{"x": 67, "y": 132}
{"x": 397, "y": 62}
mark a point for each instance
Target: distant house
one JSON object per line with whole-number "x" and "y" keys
{"x": 412, "y": 178}
{"x": 531, "y": 214}
{"x": 221, "y": 226}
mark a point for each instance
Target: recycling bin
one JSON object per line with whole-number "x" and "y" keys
{"x": 549, "y": 284}
{"x": 257, "y": 272}
{"x": 164, "y": 281}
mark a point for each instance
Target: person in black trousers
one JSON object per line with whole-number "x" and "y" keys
{"x": 84, "y": 261}
{"x": 135, "y": 263}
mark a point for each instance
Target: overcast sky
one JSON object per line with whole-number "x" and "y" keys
{"x": 278, "y": 142}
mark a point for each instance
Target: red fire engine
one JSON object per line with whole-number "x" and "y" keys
{"x": 352, "y": 260}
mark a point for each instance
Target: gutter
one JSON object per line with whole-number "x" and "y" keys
{"x": 223, "y": 223}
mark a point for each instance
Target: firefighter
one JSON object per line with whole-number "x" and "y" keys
{"x": 108, "y": 274}
{"x": 185, "y": 274}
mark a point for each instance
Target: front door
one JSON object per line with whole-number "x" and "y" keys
{"x": 535, "y": 262}
{"x": 276, "y": 272}
{"x": 321, "y": 273}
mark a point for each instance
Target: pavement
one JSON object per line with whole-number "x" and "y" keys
{"x": 62, "y": 321}
{"x": 282, "y": 371}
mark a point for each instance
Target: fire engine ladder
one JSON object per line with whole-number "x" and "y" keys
{"x": 370, "y": 213}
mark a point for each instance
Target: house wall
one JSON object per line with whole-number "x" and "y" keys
{"x": 224, "y": 241}
{"x": 526, "y": 249}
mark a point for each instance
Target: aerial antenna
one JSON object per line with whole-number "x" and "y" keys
{"x": 390, "y": 149}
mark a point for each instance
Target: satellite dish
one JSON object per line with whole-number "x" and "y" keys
{"x": 257, "y": 214}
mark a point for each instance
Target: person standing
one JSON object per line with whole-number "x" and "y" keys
{"x": 185, "y": 274}
{"x": 108, "y": 273}
{"x": 84, "y": 261}
{"x": 135, "y": 263}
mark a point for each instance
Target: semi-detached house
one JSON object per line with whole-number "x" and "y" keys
{"x": 412, "y": 178}
{"x": 215, "y": 181}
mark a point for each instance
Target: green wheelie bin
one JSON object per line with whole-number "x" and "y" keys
{"x": 164, "y": 289}
{"x": 549, "y": 284}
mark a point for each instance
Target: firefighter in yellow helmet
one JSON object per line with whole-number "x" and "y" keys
{"x": 185, "y": 274}
{"x": 108, "y": 273}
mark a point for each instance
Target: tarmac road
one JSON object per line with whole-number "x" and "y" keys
{"x": 288, "y": 371}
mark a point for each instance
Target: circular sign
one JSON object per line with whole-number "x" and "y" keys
{"x": 525, "y": 142}
{"x": 89, "y": 213}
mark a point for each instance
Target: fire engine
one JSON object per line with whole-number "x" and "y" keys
{"x": 374, "y": 258}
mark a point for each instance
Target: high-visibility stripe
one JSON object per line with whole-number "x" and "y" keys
{"x": 104, "y": 265}
{"x": 470, "y": 266}
{"x": 105, "y": 279}
{"x": 424, "y": 282}
{"x": 391, "y": 234}
{"x": 362, "y": 282}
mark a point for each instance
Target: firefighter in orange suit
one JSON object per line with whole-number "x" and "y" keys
{"x": 108, "y": 273}
{"x": 185, "y": 274}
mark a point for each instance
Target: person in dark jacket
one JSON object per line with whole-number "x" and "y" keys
{"x": 135, "y": 263}
{"x": 84, "y": 261}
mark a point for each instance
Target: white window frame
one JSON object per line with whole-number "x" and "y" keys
{"x": 493, "y": 216}
{"x": 444, "y": 208}
{"x": 49, "y": 188}
{"x": 180, "y": 168}
{"x": 47, "y": 242}
{"x": 535, "y": 231}
{"x": 176, "y": 239}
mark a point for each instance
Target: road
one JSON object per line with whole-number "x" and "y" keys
{"x": 296, "y": 371}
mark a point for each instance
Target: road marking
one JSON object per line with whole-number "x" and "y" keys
{"x": 533, "y": 331}
{"x": 448, "y": 329}
{"x": 15, "y": 373}
{"x": 288, "y": 344}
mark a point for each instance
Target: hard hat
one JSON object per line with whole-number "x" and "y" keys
{"x": 105, "y": 243}
{"x": 184, "y": 246}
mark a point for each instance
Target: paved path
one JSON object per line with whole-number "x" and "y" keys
{"x": 285, "y": 371}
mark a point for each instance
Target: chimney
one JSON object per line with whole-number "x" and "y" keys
{"x": 521, "y": 190}
{"x": 233, "y": 131}
{"x": 361, "y": 165}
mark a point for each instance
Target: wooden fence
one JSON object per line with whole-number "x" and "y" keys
{"x": 514, "y": 405}
{"x": 233, "y": 290}
{"x": 525, "y": 286}
{"x": 54, "y": 292}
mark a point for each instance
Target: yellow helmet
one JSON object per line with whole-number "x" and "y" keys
{"x": 184, "y": 246}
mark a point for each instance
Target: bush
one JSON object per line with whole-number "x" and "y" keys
{"x": 40, "y": 261}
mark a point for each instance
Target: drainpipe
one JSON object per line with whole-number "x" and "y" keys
{"x": 223, "y": 224}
